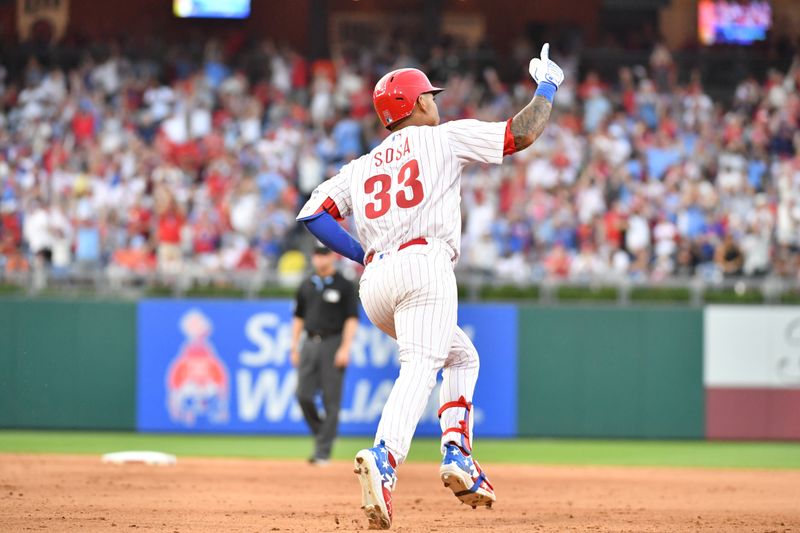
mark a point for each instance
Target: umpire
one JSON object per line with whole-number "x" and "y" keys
{"x": 327, "y": 309}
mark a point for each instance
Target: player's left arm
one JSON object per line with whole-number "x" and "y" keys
{"x": 329, "y": 203}
{"x": 323, "y": 226}
{"x": 528, "y": 124}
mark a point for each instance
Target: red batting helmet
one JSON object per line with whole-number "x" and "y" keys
{"x": 396, "y": 93}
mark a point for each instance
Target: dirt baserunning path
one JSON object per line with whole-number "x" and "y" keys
{"x": 78, "y": 493}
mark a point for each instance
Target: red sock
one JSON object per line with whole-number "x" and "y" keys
{"x": 391, "y": 459}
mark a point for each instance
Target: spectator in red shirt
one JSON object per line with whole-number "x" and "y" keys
{"x": 299, "y": 71}
{"x": 170, "y": 226}
{"x": 614, "y": 225}
{"x": 557, "y": 262}
{"x": 83, "y": 126}
{"x": 10, "y": 227}
{"x": 139, "y": 218}
{"x": 205, "y": 234}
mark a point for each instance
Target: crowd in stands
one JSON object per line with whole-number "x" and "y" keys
{"x": 198, "y": 158}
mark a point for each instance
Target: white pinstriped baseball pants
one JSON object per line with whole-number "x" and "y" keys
{"x": 411, "y": 295}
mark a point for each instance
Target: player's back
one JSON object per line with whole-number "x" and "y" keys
{"x": 409, "y": 185}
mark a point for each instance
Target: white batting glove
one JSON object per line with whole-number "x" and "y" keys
{"x": 543, "y": 70}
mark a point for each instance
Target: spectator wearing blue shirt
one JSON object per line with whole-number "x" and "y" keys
{"x": 347, "y": 136}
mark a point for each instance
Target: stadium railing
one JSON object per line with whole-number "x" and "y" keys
{"x": 195, "y": 283}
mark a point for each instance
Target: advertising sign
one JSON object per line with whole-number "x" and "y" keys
{"x": 749, "y": 346}
{"x": 223, "y": 367}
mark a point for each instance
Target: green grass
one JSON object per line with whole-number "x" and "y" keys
{"x": 729, "y": 296}
{"x": 276, "y": 291}
{"x": 570, "y": 293}
{"x": 509, "y": 292}
{"x": 8, "y": 289}
{"x": 209, "y": 291}
{"x": 159, "y": 291}
{"x": 524, "y": 451}
{"x": 660, "y": 294}
{"x": 791, "y": 298}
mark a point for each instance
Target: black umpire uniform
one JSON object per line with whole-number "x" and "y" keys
{"x": 323, "y": 305}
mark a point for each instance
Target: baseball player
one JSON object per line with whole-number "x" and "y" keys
{"x": 405, "y": 199}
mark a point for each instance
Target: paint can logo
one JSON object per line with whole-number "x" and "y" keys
{"x": 197, "y": 380}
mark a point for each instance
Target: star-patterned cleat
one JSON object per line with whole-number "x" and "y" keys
{"x": 378, "y": 480}
{"x": 463, "y": 475}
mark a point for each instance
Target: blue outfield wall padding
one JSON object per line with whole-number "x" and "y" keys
{"x": 216, "y": 366}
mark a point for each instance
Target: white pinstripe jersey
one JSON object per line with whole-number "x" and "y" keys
{"x": 409, "y": 186}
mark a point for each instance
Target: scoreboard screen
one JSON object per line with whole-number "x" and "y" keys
{"x": 229, "y": 9}
{"x": 739, "y": 22}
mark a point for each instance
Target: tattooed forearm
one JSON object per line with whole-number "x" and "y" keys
{"x": 529, "y": 123}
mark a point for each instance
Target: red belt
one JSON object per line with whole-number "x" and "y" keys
{"x": 412, "y": 242}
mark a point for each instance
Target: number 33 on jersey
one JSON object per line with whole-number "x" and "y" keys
{"x": 408, "y": 186}
{"x": 407, "y": 178}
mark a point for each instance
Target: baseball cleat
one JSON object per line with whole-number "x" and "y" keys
{"x": 463, "y": 475}
{"x": 378, "y": 480}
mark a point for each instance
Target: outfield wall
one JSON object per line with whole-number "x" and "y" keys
{"x": 611, "y": 372}
{"x": 215, "y": 366}
{"x": 67, "y": 364}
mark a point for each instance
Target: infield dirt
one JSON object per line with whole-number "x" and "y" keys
{"x": 78, "y": 493}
